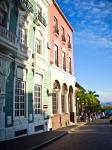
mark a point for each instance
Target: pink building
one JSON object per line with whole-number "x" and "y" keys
{"x": 62, "y": 68}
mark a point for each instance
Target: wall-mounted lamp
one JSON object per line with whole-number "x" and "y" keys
{"x": 49, "y": 94}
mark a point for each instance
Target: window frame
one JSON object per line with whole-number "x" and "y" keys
{"x": 36, "y": 103}
{"x": 63, "y": 61}
{"x": 19, "y": 101}
{"x": 38, "y": 44}
{"x": 54, "y": 103}
{"x": 56, "y": 58}
{"x": 63, "y": 103}
{"x": 69, "y": 65}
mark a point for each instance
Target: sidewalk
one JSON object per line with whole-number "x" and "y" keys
{"x": 34, "y": 142}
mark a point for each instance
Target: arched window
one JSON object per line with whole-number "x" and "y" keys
{"x": 64, "y": 89}
{"x": 56, "y": 87}
{"x": 70, "y": 98}
{"x": 38, "y": 45}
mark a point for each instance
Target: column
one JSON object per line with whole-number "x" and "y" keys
{"x": 66, "y": 102}
{"x": 74, "y": 105}
{"x": 73, "y": 102}
{"x": 59, "y": 102}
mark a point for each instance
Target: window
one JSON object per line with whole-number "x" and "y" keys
{"x": 62, "y": 102}
{"x": 62, "y": 31}
{"x": 37, "y": 99}
{"x": 22, "y": 36}
{"x": 63, "y": 61}
{"x": 1, "y": 18}
{"x": 63, "y": 34}
{"x": 56, "y": 25}
{"x": 20, "y": 93}
{"x": 69, "y": 65}
{"x": 3, "y": 13}
{"x": 38, "y": 46}
{"x": 68, "y": 39}
{"x": 56, "y": 54}
{"x": 20, "y": 99}
{"x": 54, "y": 103}
{"x": 55, "y": 21}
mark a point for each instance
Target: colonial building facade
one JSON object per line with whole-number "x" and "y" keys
{"x": 62, "y": 69}
{"x": 37, "y": 84}
{"x": 24, "y": 67}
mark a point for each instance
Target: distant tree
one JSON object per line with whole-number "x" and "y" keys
{"x": 89, "y": 99}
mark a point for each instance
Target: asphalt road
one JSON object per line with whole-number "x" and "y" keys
{"x": 93, "y": 136}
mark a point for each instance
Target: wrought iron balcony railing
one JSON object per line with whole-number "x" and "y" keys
{"x": 38, "y": 17}
{"x": 26, "y": 5}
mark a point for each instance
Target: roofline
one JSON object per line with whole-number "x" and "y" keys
{"x": 57, "y": 6}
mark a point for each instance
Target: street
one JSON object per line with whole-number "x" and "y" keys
{"x": 93, "y": 136}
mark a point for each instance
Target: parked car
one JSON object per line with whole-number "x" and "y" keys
{"x": 102, "y": 115}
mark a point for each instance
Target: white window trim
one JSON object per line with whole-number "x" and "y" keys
{"x": 57, "y": 65}
{"x": 42, "y": 42}
{"x": 23, "y": 118}
{"x": 38, "y": 116}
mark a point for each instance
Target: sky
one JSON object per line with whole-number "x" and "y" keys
{"x": 92, "y": 41}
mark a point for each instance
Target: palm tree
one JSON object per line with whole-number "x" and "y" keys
{"x": 93, "y": 93}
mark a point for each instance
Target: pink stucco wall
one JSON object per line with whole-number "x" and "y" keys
{"x": 54, "y": 11}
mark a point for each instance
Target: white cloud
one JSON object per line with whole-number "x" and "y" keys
{"x": 105, "y": 96}
{"x": 94, "y": 39}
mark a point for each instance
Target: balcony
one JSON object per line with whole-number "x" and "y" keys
{"x": 63, "y": 38}
{"x": 69, "y": 45}
{"x": 10, "y": 45}
{"x": 25, "y": 5}
{"x": 39, "y": 19}
{"x": 56, "y": 30}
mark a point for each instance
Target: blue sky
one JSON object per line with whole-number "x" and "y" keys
{"x": 92, "y": 40}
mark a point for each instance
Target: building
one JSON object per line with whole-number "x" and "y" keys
{"x": 24, "y": 67}
{"x": 62, "y": 69}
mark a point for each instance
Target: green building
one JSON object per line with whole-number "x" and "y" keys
{"x": 24, "y": 67}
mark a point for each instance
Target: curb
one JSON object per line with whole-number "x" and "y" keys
{"x": 49, "y": 141}
{"x": 55, "y": 138}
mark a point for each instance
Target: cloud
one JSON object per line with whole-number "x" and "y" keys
{"x": 105, "y": 96}
{"x": 94, "y": 39}
{"x": 94, "y": 12}
{"x": 91, "y": 19}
